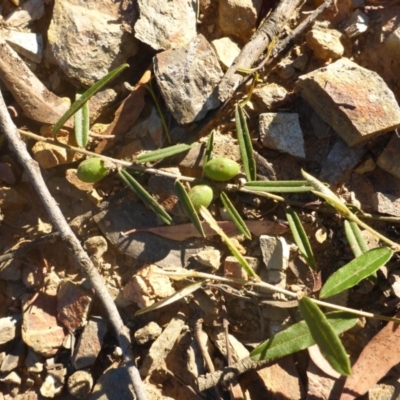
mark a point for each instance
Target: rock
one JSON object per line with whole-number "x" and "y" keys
{"x": 187, "y": 77}
{"x": 366, "y": 166}
{"x": 146, "y": 287}
{"x": 114, "y": 383}
{"x": 148, "y": 333}
{"x": 233, "y": 269}
{"x": 80, "y": 384}
{"x": 388, "y": 159}
{"x": 354, "y": 101}
{"x": 282, "y": 131}
{"x": 163, "y": 345}
{"x": 12, "y": 378}
{"x": 84, "y": 43}
{"x": 275, "y": 253}
{"x": 33, "y": 362}
{"x": 166, "y": 24}
{"x": 192, "y": 163}
{"x": 11, "y": 198}
{"x": 392, "y": 44}
{"x": 54, "y": 382}
{"x": 27, "y": 44}
{"x": 320, "y": 128}
{"x": 269, "y": 97}
{"x": 239, "y": 17}
{"x": 386, "y": 204}
{"x": 340, "y": 159}
{"x": 96, "y": 246}
{"x": 8, "y": 328}
{"x": 73, "y": 305}
{"x": 226, "y": 50}
{"x": 30, "y": 10}
{"x": 15, "y": 358}
{"x": 325, "y": 43}
{"x": 89, "y": 343}
{"x": 209, "y": 257}
{"x": 357, "y": 24}
{"x": 40, "y": 328}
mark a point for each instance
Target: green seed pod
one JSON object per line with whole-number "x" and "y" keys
{"x": 221, "y": 169}
{"x": 201, "y": 195}
{"x": 92, "y": 170}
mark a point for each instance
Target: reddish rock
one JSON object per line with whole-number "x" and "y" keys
{"x": 40, "y": 328}
{"x": 73, "y": 305}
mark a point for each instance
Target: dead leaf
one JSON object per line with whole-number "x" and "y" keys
{"x": 374, "y": 362}
{"x": 321, "y": 362}
{"x": 127, "y": 113}
{"x": 184, "y": 231}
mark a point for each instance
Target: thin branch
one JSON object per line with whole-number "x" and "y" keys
{"x": 57, "y": 218}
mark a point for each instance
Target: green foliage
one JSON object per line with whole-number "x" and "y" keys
{"x": 155, "y": 155}
{"x": 235, "y": 216}
{"x": 355, "y": 271}
{"x": 278, "y": 186}
{"x": 325, "y": 336}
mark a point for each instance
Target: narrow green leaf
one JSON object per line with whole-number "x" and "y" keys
{"x": 145, "y": 196}
{"x": 81, "y": 124}
{"x": 245, "y": 145}
{"x": 188, "y": 207}
{"x": 278, "y": 186}
{"x": 87, "y": 95}
{"x": 325, "y": 336}
{"x": 163, "y": 153}
{"x": 235, "y": 252}
{"x": 354, "y": 236}
{"x": 209, "y": 148}
{"x": 298, "y": 337}
{"x": 355, "y": 271}
{"x": 300, "y": 237}
{"x": 180, "y": 294}
{"x": 235, "y": 216}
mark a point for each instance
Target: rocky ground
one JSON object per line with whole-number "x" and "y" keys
{"x": 326, "y": 102}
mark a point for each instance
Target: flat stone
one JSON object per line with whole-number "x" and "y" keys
{"x": 12, "y": 378}
{"x": 340, "y": 159}
{"x": 29, "y": 11}
{"x": 33, "y": 361}
{"x": 89, "y": 343}
{"x": 275, "y": 252}
{"x": 226, "y": 50}
{"x": 40, "y": 328}
{"x": 28, "y": 44}
{"x": 354, "y": 101}
{"x": 239, "y": 17}
{"x": 149, "y": 332}
{"x": 269, "y": 97}
{"x": 15, "y": 358}
{"x": 282, "y": 131}
{"x": 187, "y": 77}
{"x": 53, "y": 383}
{"x": 209, "y": 257}
{"x": 325, "y": 43}
{"x": 73, "y": 305}
{"x": 357, "y": 24}
{"x": 389, "y": 159}
{"x": 386, "y": 204}
{"x": 166, "y": 24}
{"x": 233, "y": 269}
{"x": 114, "y": 383}
{"x": 8, "y": 328}
{"x": 84, "y": 43}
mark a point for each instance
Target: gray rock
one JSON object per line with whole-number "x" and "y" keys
{"x": 28, "y": 44}
{"x": 15, "y": 358}
{"x": 282, "y": 131}
{"x": 354, "y": 101}
{"x": 83, "y": 41}
{"x": 187, "y": 78}
{"x": 389, "y": 159}
{"x": 30, "y": 10}
{"x": 357, "y": 24}
{"x": 166, "y": 24}
{"x": 269, "y": 97}
{"x": 89, "y": 344}
{"x": 386, "y": 204}
{"x": 8, "y": 328}
{"x": 341, "y": 158}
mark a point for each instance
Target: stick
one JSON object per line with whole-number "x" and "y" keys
{"x": 57, "y": 218}
{"x": 253, "y": 50}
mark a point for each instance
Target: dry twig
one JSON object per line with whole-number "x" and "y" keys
{"x": 32, "y": 170}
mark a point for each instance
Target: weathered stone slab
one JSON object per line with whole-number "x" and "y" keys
{"x": 187, "y": 77}
{"x": 88, "y": 38}
{"x": 166, "y": 24}
{"x": 389, "y": 159}
{"x": 282, "y": 131}
{"x": 386, "y": 204}
{"x": 354, "y": 101}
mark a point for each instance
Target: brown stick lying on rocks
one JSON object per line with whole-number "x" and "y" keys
{"x": 253, "y": 50}
{"x": 57, "y": 218}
